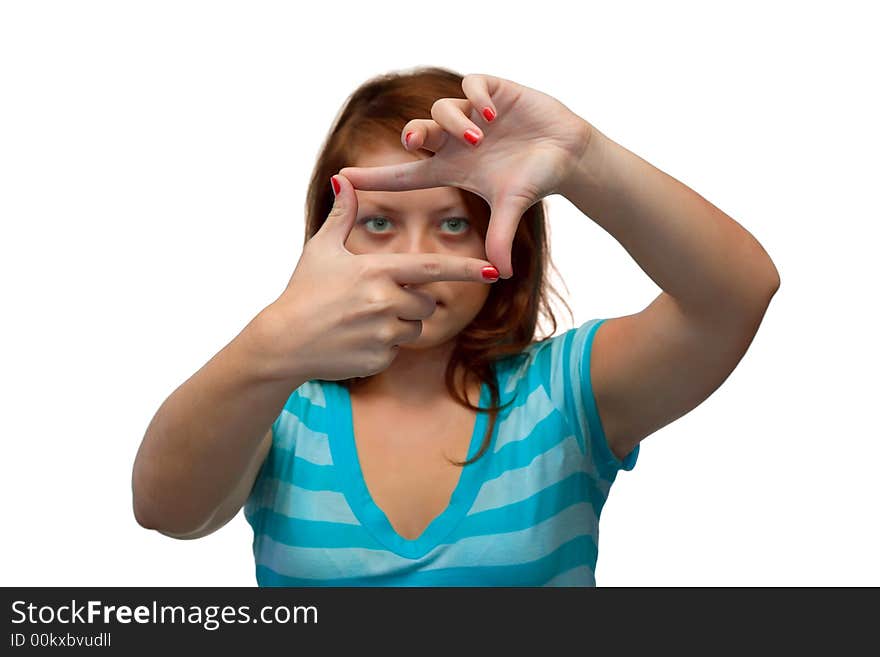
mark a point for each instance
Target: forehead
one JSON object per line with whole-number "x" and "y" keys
{"x": 432, "y": 198}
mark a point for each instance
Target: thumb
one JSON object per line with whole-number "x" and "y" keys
{"x": 344, "y": 211}
{"x": 503, "y": 222}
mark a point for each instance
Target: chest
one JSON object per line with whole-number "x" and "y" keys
{"x": 404, "y": 458}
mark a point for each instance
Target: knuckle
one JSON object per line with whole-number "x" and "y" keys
{"x": 363, "y": 269}
{"x": 377, "y": 301}
{"x": 438, "y": 106}
{"x": 336, "y": 213}
{"x": 468, "y": 270}
{"x": 386, "y": 335}
{"x": 370, "y": 267}
{"x": 432, "y": 267}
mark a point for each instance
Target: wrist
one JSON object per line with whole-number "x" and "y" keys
{"x": 261, "y": 340}
{"x": 586, "y": 168}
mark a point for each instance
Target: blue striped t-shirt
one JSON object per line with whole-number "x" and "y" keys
{"x": 526, "y": 513}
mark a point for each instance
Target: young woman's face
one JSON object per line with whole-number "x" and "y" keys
{"x": 432, "y": 220}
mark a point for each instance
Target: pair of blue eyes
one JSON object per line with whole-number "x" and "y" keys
{"x": 461, "y": 222}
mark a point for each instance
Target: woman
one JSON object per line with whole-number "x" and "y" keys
{"x": 420, "y": 434}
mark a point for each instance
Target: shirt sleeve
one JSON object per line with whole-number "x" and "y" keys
{"x": 565, "y": 361}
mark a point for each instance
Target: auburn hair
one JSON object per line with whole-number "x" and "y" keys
{"x": 374, "y": 115}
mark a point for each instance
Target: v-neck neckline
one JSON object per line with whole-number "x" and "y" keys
{"x": 343, "y": 450}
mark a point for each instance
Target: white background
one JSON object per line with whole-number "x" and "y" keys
{"x": 154, "y": 159}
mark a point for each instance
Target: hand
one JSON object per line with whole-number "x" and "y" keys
{"x": 342, "y": 314}
{"x": 522, "y": 155}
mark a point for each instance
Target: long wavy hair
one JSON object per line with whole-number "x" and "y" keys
{"x": 374, "y": 114}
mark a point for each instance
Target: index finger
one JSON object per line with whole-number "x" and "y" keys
{"x": 416, "y": 268}
{"x": 393, "y": 177}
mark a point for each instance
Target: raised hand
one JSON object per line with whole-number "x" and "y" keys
{"x": 512, "y": 155}
{"x": 343, "y": 315}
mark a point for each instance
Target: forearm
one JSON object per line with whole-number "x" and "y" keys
{"x": 204, "y": 435}
{"x": 691, "y": 249}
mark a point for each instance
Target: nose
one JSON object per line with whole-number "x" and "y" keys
{"x": 419, "y": 241}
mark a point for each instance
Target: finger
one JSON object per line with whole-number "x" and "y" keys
{"x": 411, "y": 330}
{"x": 424, "y": 134}
{"x": 394, "y": 177}
{"x": 478, "y": 88}
{"x": 416, "y": 268}
{"x": 453, "y": 116}
{"x": 342, "y": 215}
{"x": 415, "y": 304}
{"x": 503, "y": 222}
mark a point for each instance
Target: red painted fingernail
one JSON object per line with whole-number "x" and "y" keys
{"x": 489, "y": 273}
{"x": 408, "y": 135}
{"x": 488, "y": 113}
{"x": 472, "y": 136}
{"x": 335, "y": 184}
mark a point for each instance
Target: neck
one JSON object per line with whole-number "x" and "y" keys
{"x": 415, "y": 377}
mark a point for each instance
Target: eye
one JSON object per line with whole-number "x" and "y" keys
{"x": 382, "y": 222}
{"x": 460, "y": 224}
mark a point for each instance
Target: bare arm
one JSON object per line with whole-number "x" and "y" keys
{"x": 206, "y": 442}
{"x": 707, "y": 262}
{"x": 654, "y": 366}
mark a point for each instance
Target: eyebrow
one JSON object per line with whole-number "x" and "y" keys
{"x": 384, "y": 208}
